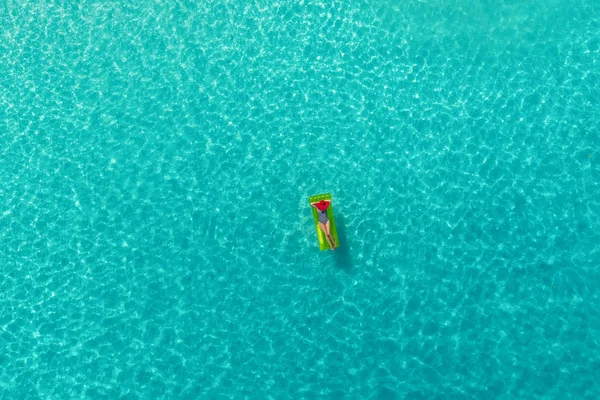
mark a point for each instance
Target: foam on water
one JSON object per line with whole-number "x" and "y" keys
{"x": 155, "y": 164}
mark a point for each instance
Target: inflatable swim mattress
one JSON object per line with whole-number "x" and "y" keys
{"x": 323, "y": 245}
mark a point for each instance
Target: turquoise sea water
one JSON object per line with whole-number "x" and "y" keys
{"x": 156, "y": 158}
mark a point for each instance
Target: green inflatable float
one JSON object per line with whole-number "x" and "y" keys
{"x": 323, "y": 244}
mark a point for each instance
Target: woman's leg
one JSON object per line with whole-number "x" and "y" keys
{"x": 328, "y": 227}
{"x": 324, "y": 229}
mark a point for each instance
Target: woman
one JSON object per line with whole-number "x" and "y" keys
{"x": 324, "y": 224}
